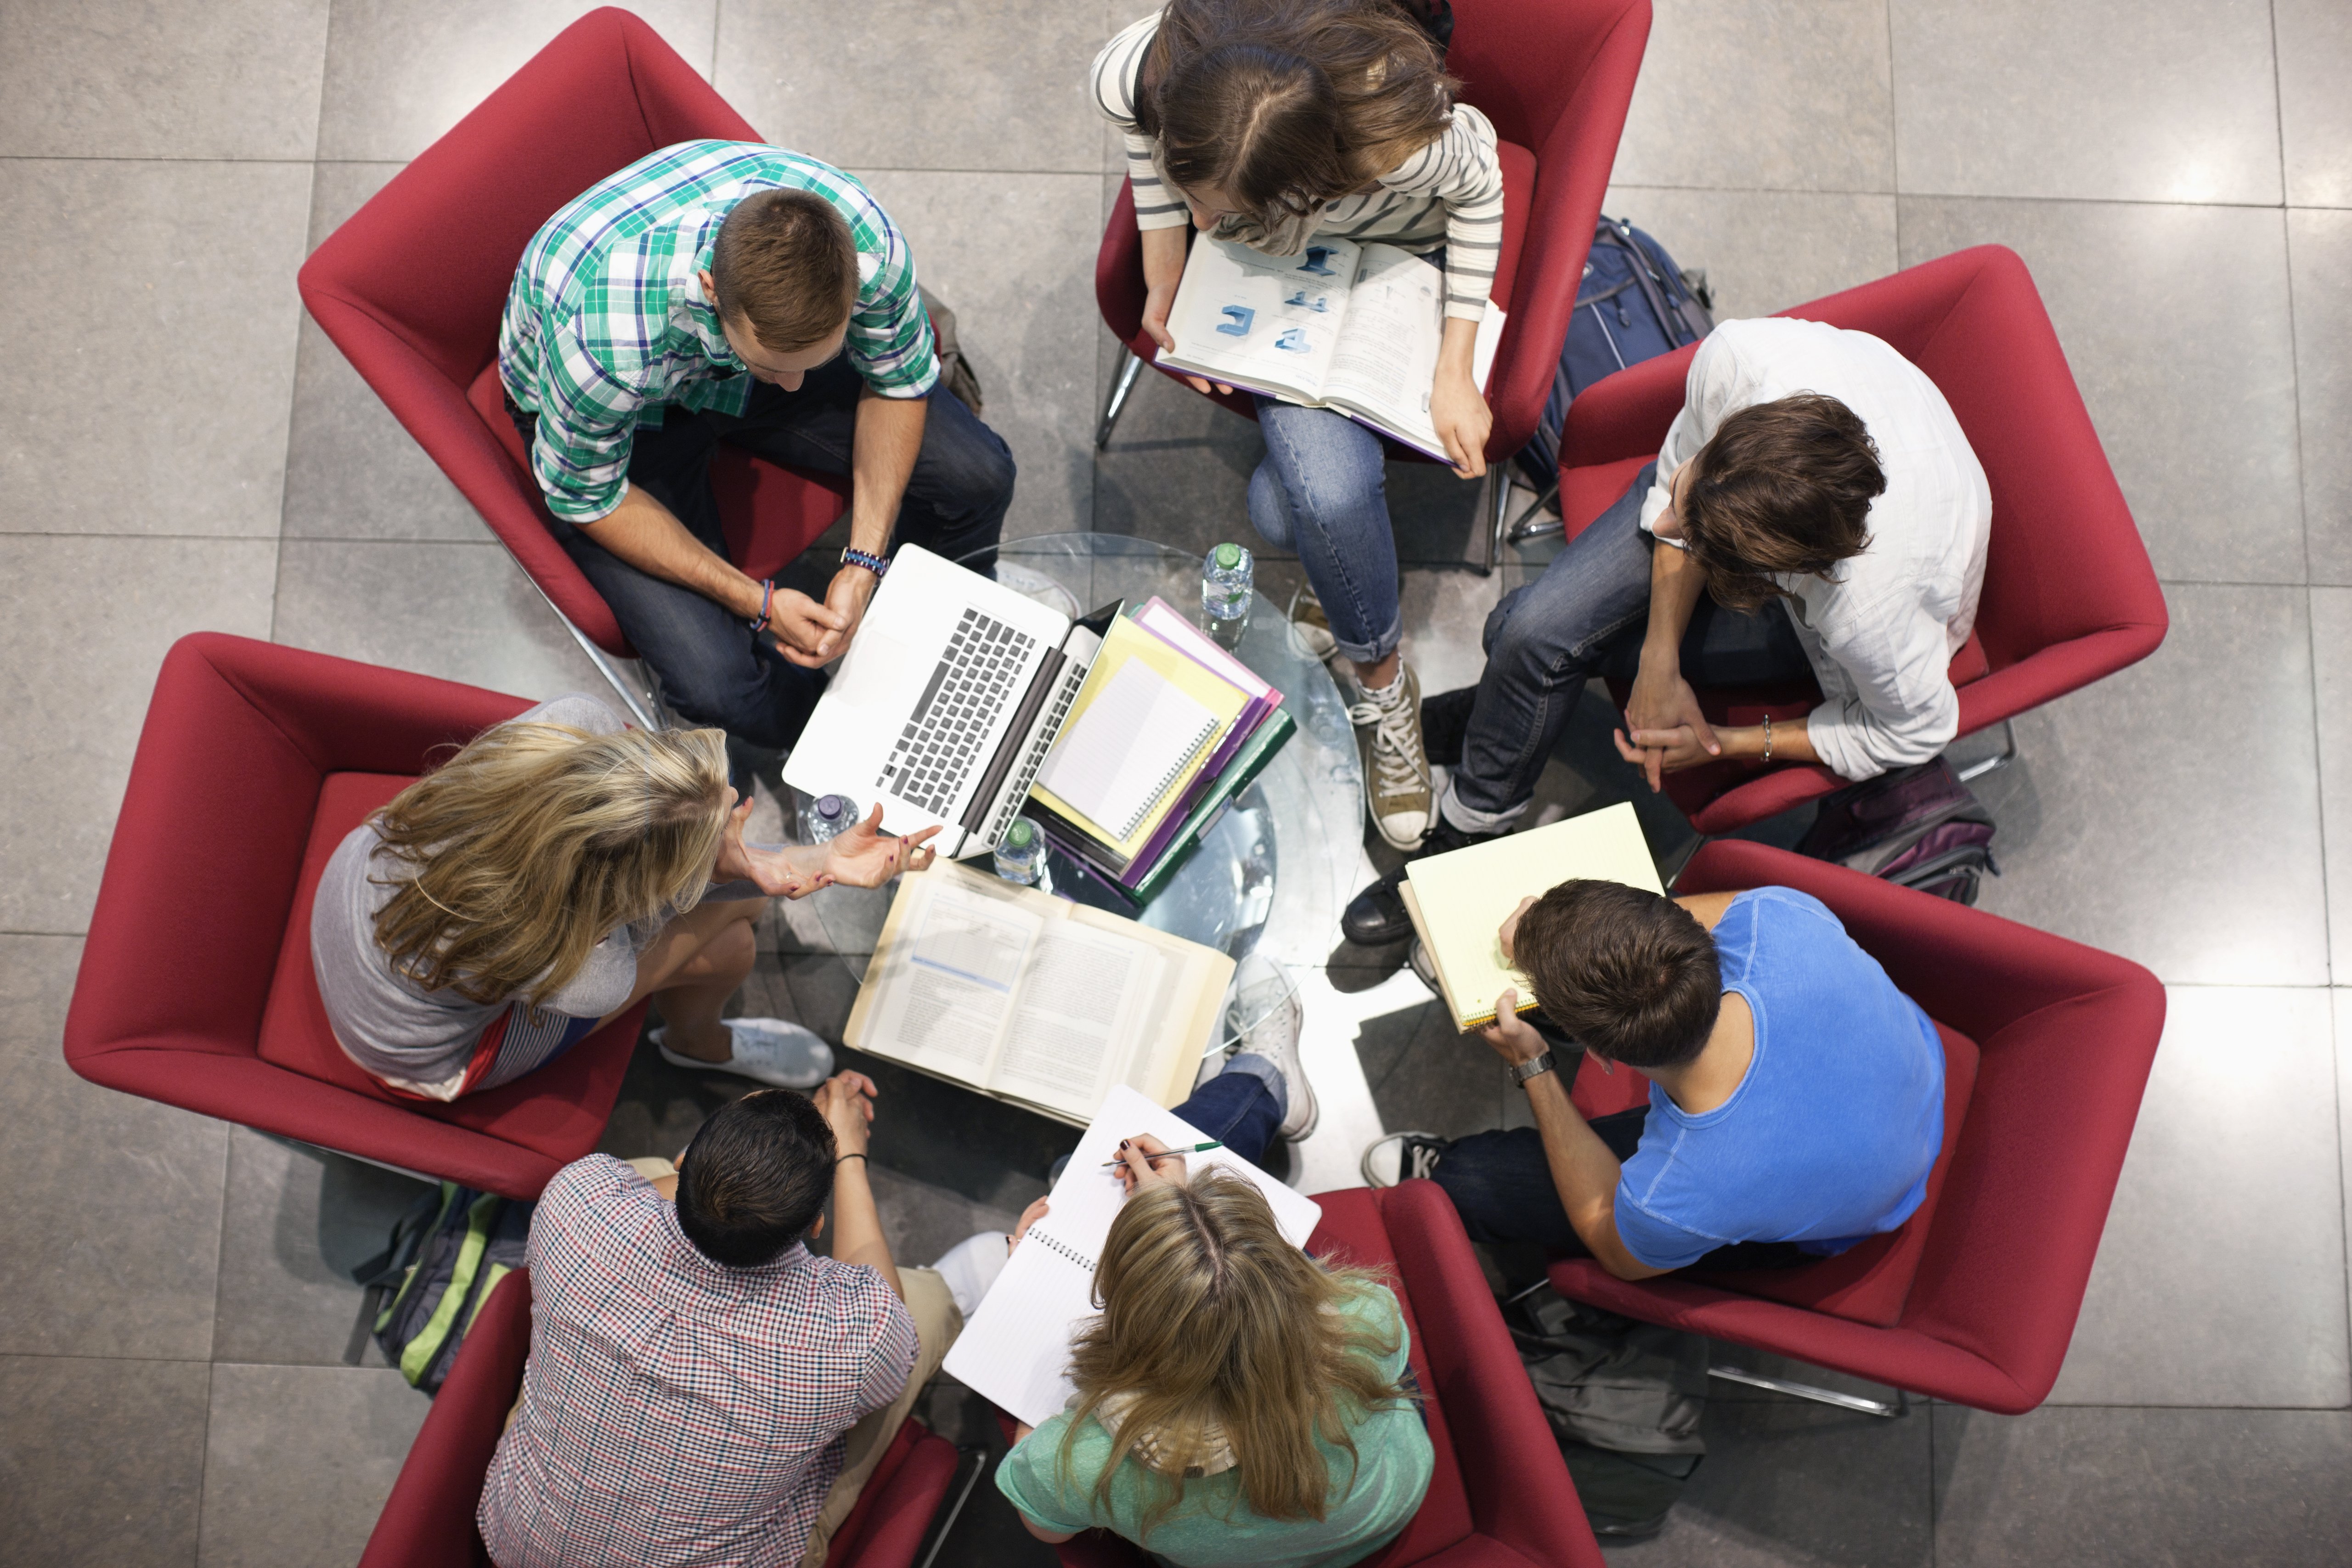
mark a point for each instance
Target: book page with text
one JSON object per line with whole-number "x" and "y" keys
{"x": 1387, "y": 359}
{"x": 1080, "y": 1015}
{"x": 956, "y": 967}
{"x": 1265, "y": 321}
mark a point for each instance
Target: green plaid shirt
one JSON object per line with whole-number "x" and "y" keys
{"x": 606, "y": 323}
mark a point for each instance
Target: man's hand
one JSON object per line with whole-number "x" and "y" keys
{"x": 787, "y": 871}
{"x": 1029, "y": 1217}
{"x": 1663, "y": 701}
{"x": 851, "y": 590}
{"x": 1462, "y": 421}
{"x": 808, "y": 634}
{"x": 865, "y": 858}
{"x": 1514, "y": 1038}
{"x": 1660, "y": 752}
{"x": 1145, "y": 1161}
{"x": 845, "y": 1101}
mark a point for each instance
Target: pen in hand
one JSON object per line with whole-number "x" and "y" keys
{"x": 1164, "y": 1153}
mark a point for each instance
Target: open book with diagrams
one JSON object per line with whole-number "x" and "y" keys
{"x": 1032, "y": 999}
{"x": 1341, "y": 326}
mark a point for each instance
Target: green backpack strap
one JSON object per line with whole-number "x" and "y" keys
{"x": 420, "y": 1352}
{"x": 408, "y": 1276}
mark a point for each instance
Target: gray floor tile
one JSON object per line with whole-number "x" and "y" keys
{"x": 2331, "y": 644}
{"x": 2343, "y": 1011}
{"x": 463, "y": 612}
{"x": 2315, "y": 55}
{"x": 2101, "y": 99}
{"x": 1018, "y": 98}
{"x": 1427, "y": 1078}
{"x": 2319, "y": 252}
{"x": 2234, "y": 1164}
{"x": 1178, "y": 469}
{"x": 401, "y": 72}
{"x": 1796, "y": 1484}
{"x": 2098, "y": 798}
{"x": 1026, "y": 314}
{"x": 114, "y": 1224}
{"x": 2198, "y": 416}
{"x": 1773, "y": 97}
{"x": 84, "y": 622}
{"x": 295, "y": 1224}
{"x": 298, "y": 1459}
{"x": 1765, "y": 250}
{"x": 352, "y": 472}
{"x": 2142, "y": 1486}
{"x": 1445, "y": 611}
{"x": 198, "y": 298}
{"x": 101, "y": 1461}
{"x": 117, "y": 78}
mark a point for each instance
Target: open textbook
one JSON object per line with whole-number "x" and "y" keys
{"x": 1034, "y": 999}
{"x": 1459, "y": 901}
{"x": 1342, "y": 326}
{"x": 1016, "y": 1350}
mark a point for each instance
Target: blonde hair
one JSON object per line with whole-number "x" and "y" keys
{"x": 1215, "y": 1334}
{"x": 535, "y": 841}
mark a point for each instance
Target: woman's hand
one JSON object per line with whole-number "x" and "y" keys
{"x": 1164, "y": 250}
{"x": 1514, "y": 1038}
{"x": 1145, "y": 1161}
{"x": 866, "y": 858}
{"x": 845, "y": 1101}
{"x": 1029, "y": 1217}
{"x": 784, "y": 871}
{"x": 1463, "y": 419}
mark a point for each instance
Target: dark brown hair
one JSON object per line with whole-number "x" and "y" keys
{"x": 1783, "y": 488}
{"x": 784, "y": 261}
{"x": 1284, "y": 104}
{"x": 1629, "y": 975}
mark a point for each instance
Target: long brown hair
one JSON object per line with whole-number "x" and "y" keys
{"x": 532, "y": 844}
{"x": 1212, "y": 1324}
{"x": 1287, "y": 104}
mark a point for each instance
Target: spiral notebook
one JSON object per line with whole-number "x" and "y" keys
{"x": 1015, "y": 1351}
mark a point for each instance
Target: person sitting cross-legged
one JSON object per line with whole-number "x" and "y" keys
{"x": 1796, "y": 1096}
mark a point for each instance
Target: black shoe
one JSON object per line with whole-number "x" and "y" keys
{"x": 1417, "y": 1157}
{"x": 1375, "y": 916}
{"x": 1445, "y": 721}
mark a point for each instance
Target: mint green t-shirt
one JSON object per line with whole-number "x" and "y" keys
{"x": 1212, "y": 1527}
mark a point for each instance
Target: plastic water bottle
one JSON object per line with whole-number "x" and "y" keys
{"x": 1225, "y": 595}
{"x": 828, "y": 816}
{"x": 1020, "y": 853}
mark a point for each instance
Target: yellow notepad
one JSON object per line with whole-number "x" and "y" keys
{"x": 1193, "y": 686}
{"x": 1458, "y": 900}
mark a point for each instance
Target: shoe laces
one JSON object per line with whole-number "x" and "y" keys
{"x": 1396, "y": 750}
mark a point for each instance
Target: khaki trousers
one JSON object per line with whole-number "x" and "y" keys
{"x": 937, "y": 1324}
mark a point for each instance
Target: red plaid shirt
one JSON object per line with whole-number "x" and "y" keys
{"x": 675, "y": 1411}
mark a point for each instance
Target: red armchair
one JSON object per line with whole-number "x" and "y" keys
{"x": 2069, "y": 593}
{"x": 1555, "y": 78}
{"x": 428, "y": 1520}
{"x": 412, "y": 289}
{"x": 1973, "y": 1299}
{"x": 196, "y": 986}
{"x": 1500, "y": 1496}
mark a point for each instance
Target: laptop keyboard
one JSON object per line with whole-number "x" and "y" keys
{"x": 1074, "y": 675}
{"x": 940, "y": 746}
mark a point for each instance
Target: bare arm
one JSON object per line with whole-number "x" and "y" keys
{"x": 882, "y": 452}
{"x": 846, "y": 1101}
{"x": 1457, "y": 407}
{"x": 1661, "y": 699}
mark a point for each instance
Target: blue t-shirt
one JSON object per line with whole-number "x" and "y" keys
{"x": 1829, "y": 1138}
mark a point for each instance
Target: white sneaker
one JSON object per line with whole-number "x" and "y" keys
{"x": 768, "y": 1050}
{"x": 1396, "y": 766}
{"x": 1266, "y": 1012}
{"x": 1310, "y": 629}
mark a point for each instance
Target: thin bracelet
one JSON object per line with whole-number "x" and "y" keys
{"x": 767, "y": 600}
{"x": 839, "y": 1159}
{"x": 1767, "y": 737}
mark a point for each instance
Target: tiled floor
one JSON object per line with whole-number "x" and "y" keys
{"x": 182, "y": 1371}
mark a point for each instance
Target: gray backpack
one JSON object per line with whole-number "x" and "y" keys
{"x": 447, "y": 1254}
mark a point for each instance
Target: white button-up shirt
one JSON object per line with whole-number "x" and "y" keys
{"x": 1881, "y": 637}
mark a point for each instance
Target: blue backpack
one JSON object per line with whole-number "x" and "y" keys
{"x": 1633, "y": 303}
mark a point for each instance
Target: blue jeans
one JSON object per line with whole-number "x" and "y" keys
{"x": 1587, "y": 616}
{"x": 713, "y": 669}
{"x": 1322, "y": 491}
{"x": 1241, "y": 1106}
{"x": 1502, "y": 1187}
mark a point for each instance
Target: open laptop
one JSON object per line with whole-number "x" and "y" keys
{"x": 946, "y": 703}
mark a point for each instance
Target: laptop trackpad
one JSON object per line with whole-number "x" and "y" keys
{"x": 871, "y": 677}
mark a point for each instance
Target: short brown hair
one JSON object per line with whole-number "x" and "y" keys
{"x": 1629, "y": 975}
{"x": 1784, "y": 488}
{"x": 784, "y": 261}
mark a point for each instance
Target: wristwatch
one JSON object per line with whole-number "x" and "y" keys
{"x": 1534, "y": 1067}
{"x": 874, "y": 564}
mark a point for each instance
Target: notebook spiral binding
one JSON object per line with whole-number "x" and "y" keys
{"x": 1061, "y": 1248}
{"x": 1167, "y": 781}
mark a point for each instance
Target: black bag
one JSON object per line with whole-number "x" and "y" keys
{"x": 1624, "y": 1400}
{"x": 1633, "y": 303}
{"x": 446, "y": 1254}
{"x": 1918, "y": 827}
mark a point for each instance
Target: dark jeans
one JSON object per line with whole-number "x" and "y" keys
{"x": 713, "y": 669}
{"x": 1240, "y": 1107}
{"x": 1587, "y": 616}
{"x": 1503, "y": 1189}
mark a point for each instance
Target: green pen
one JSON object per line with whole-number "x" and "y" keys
{"x": 1188, "y": 1149}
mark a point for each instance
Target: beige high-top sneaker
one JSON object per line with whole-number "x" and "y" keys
{"x": 1396, "y": 769}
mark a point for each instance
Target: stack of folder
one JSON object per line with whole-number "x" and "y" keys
{"x": 1168, "y": 728}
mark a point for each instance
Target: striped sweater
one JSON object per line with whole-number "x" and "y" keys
{"x": 1448, "y": 194}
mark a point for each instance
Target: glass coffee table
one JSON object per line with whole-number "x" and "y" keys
{"x": 1273, "y": 876}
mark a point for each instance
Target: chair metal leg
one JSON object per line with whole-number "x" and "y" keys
{"x": 1820, "y": 1395}
{"x": 2001, "y": 758}
{"x": 1498, "y": 479}
{"x": 1129, "y": 367}
{"x": 1527, "y": 528}
{"x": 644, "y": 706}
{"x": 945, "y": 1524}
